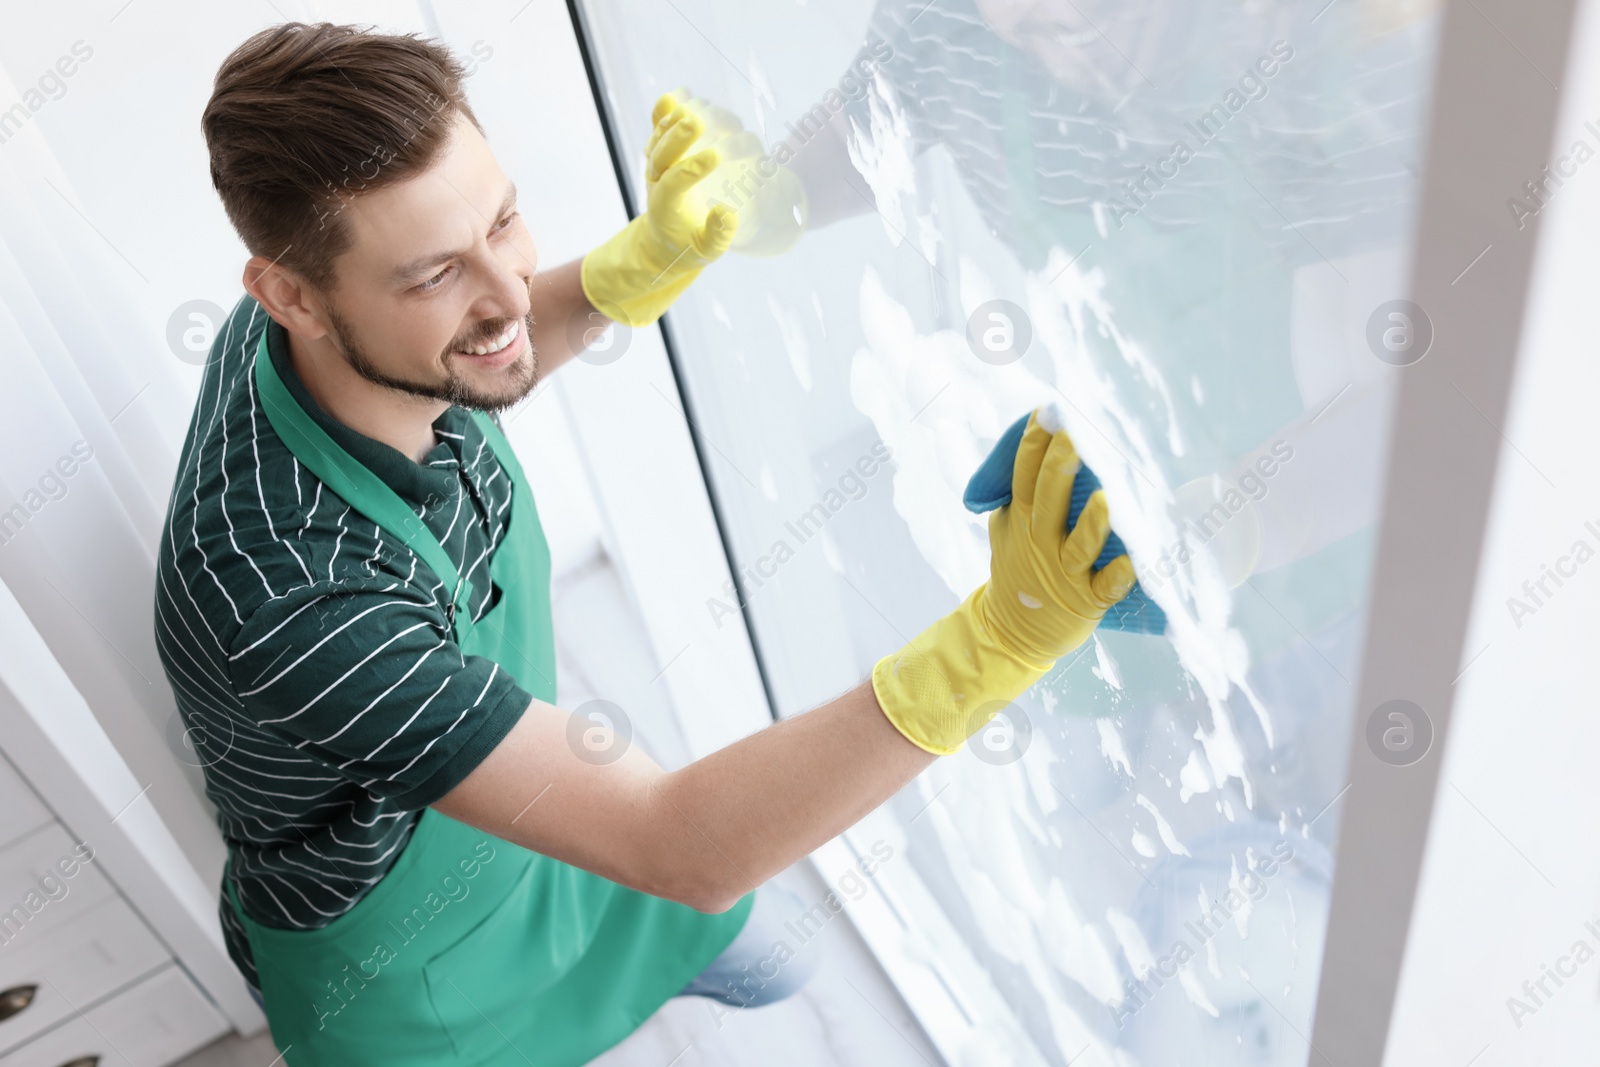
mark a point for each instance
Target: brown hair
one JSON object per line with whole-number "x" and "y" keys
{"x": 304, "y": 118}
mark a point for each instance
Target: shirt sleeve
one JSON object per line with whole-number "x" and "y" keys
{"x": 909, "y": 44}
{"x": 371, "y": 682}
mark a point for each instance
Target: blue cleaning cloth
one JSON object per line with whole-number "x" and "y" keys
{"x": 990, "y": 488}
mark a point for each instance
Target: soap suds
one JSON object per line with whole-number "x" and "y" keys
{"x": 1134, "y": 946}
{"x": 1038, "y": 929}
{"x": 940, "y": 410}
{"x": 1067, "y": 306}
{"x": 933, "y": 405}
{"x": 1111, "y": 746}
{"x": 1193, "y": 779}
{"x": 1195, "y": 990}
{"x": 1163, "y": 828}
{"x": 882, "y": 154}
{"x": 1105, "y": 667}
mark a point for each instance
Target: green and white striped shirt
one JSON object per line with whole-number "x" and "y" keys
{"x": 310, "y": 653}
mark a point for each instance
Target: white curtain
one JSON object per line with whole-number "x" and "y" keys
{"x": 92, "y": 416}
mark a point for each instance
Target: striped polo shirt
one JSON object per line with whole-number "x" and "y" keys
{"x": 1321, "y": 163}
{"x": 1193, "y": 254}
{"x": 309, "y": 651}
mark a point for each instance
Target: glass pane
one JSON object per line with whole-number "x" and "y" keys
{"x": 1185, "y": 223}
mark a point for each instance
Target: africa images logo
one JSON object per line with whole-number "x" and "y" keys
{"x": 451, "y": 889}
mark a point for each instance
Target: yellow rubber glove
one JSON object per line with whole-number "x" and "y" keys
{"x": 768, "y": 197}
{"x": 636, "y": 275}
{"x": 1042, "y": 600}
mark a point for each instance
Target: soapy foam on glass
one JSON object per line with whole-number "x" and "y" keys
{"x": 962, "y": 406}
{"x": 937, "y": 408}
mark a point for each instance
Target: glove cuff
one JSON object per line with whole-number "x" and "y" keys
{"x": 624, "y": 285}
{"x": 951, "y": 680}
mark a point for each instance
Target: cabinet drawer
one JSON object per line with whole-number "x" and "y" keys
{"x": 160, "y": 1020}
{"x": 21, "y": 810}
{"x": 76, "y": 965}
{"x": 36, "y": 895}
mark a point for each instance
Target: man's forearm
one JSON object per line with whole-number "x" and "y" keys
{"x": 835, "y": 189}
{"x": 744, "y": 813}
{"x": 706, "y": 834}
{"x": 564, "y": 322}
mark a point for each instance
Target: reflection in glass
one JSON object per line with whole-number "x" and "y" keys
{"x": 1177, "y": 221}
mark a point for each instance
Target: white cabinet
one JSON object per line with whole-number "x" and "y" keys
{"x": 44, "y": 883}
{"x": 83, "y": 979}
{"x": 103, "y": 950}
{"x": 159, "y": 1020}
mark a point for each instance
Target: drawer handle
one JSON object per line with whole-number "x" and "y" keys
{"x": 83, "y": 1061}
{"x": 15, "y": 999}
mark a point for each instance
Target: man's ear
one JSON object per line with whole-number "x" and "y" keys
{"x": 286, "y": 297}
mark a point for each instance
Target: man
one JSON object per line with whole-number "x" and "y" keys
{"x": 353, "y": 600}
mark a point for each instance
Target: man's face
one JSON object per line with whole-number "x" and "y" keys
{"x": 440, "y": 269}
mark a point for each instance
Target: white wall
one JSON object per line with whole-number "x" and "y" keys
{"x": 1511, "y": 875}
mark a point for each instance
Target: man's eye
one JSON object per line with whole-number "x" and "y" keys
{"x": 507, "y": 221}
{"x": 434, "y": 282}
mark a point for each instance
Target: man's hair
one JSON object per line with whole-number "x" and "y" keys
{"x": 304, "y": 118}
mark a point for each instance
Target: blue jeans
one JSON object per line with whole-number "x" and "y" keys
{"x": 766, "y": 961}
{"x": 749, "y": 973}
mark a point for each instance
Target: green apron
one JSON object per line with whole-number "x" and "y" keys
{"x": 471, "y": 950}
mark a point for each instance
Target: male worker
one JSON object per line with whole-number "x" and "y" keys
{"x": 353, "y": 600}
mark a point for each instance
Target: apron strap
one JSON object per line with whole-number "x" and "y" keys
{"x": 357, "y": 485}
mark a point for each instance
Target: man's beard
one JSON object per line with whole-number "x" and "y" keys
{"x": 521, "y": 376}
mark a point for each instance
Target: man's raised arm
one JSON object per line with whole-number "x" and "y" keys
{"x": 712, "y": 831}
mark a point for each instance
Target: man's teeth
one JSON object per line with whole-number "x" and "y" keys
{"x": 498, "y": 343}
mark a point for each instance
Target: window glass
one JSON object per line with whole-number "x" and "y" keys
{"x": 1187, "y": 224}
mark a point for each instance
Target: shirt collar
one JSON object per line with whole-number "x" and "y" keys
{"x": 429, "y": 482}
